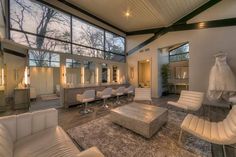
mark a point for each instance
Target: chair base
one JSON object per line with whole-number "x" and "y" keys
{"x": 86, "y": 111}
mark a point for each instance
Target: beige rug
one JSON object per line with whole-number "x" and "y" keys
{"x": 116, "y": 141}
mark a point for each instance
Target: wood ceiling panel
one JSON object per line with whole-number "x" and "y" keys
{"x": 145, "y": 14}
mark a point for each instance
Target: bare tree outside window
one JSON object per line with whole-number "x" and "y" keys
{"x": 29, "y": 17}
{"x": 43, "y": 28}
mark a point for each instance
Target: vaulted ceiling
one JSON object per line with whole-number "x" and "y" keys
{"x": 144, "y": 14}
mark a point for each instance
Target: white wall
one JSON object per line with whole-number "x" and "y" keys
{"x": 204, "y": 43}
{"x": 132, "y": 41}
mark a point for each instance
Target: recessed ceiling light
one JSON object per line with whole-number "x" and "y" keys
{"x": 127, "y": 13}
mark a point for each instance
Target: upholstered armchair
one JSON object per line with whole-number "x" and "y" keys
{"x": 189, "y": 100}
{"x": 222, "y": 133}
{"x": 143, "y": 94}
{"x": 118, "y": 92}
{"x": 129, "y": 91}
{"x": 105, "y": 94}
{"x": 87, "y": 96}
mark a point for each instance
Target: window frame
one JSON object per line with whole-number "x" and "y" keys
{"x": 71, "y": 43}
{"x": 178, "y": 54}
{"x": 49, "y": 61}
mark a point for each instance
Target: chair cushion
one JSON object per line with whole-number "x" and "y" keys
{"x": 176, "y": 104}
{"x": 47, "y": 143}
{"x": 91, "y": 152}
{"x": 210, "y": 131}
{"x": 6, "y": 142}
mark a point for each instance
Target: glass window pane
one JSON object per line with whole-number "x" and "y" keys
{"x": 114, "y": 43}
{"x": 42, "y": 59}
{"x": 37, "y": 18}
{"x": 115, "y": 57}
{"x": 88, "y": 52}
{"x": 71, "y": 63}
{"x": 39, "y": 42}
{"x": 182, "y": 49}
{"x": 87, "y": 35}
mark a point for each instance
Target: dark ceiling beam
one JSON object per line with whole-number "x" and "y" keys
{"x": 145, "y": 31}
{"x": 90, "y": 15}
{"x": 197, "y": 11}
{"x": 181, "y": 23}
{"x": 204, "y": 25}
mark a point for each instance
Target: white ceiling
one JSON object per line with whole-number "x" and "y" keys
{"x": 145, "y": 14}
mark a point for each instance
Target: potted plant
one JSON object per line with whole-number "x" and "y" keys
{"x": 164, "y": 77}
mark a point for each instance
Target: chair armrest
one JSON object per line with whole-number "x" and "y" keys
{"x": 91, "y": 152}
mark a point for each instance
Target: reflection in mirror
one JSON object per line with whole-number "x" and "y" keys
{"x": 114, "y": 72}
{"x": 104, "y": 73}
{"x": 89, "y": 72}
{"x": 44, "y": 79}
{"x": 181, "y": 72}
{"x": 73, "y": 72}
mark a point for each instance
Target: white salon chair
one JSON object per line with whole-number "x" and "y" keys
{"x": 118, "y": 92}
{"x": 129, "y": 91}
{"x": 86, "y": 97}
{"x": 143, "y": 94}
{"x": 105, "y": 94}
{"x": 189, "y": 100}
{"x": 222, "y": 133}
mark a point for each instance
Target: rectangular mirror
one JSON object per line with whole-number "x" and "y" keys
{"x": 104, "y": 73}
{"x": 89, "y": 72}
{"x": 73, "y": 72}
{"x": 181, "y": 72}
{"x": 114, "y": 72}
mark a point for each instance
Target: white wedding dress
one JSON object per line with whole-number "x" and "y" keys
{"x": 222, "y": 82}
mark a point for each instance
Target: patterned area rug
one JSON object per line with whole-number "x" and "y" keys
{"x": 116, "y": 141}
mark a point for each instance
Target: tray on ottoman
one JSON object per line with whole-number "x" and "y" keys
{"x": 143, "y": 119}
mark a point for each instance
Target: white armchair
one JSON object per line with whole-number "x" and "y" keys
{"x": 189, "y": 100}
{"x": 105, "y": 94}
{"x": 143, "y": 94}
{"x": 129, "y": 91}
{"x": 87, "y": 96}
{"x": 222, "y": 133}
{"x": 118, "y": 92}
{"x": 37, "y": 134}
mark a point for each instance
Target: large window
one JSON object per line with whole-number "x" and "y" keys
{"x": 43, "y": 59}
{"x": 180, "y": 53}
{"x": 41, "y": 27}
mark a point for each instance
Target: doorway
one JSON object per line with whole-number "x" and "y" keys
{"x": 144, "y": 73}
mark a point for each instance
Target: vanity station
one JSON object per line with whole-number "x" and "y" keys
{"x": 69, "y": 93}
{"x": 21, "y": 98}
{"x": 175, "y": 86}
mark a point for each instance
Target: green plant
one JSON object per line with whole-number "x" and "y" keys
{"x": 164, "y": 76}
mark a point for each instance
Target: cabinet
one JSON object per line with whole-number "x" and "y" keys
{"x": 21, "y": 98}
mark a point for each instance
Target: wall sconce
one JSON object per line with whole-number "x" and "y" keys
{"x": 108, "y": 75}
{"x": 118, "y": 75}
{"x": 26, "y": 76}
{"x": 131, "y": 73}
{"x": 2, "y": 77}
{"x": 64, "y": 74}
{"x": 97, "y": 75}
{"x": 82, "y": 75}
